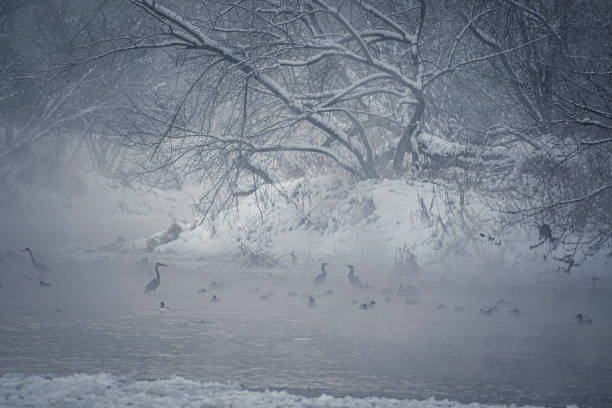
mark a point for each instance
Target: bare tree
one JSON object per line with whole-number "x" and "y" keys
{"x": 258, "y": 83}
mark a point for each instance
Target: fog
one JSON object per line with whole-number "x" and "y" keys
{"x": 456, "y": 154}
{"x": 433, "y": 340}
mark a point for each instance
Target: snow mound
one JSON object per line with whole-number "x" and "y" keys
{"x": 105, "y": 390}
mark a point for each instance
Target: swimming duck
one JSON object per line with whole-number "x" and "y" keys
{"x": 486, "y": 310}
{"x": 215, "y": 299}
{"x": 162, "y": 306}
{"x": 216, "y": 285}
{"x": 583, "y": 318}
{"x": 44, "y": 284}
{"x": 311, "y": 301}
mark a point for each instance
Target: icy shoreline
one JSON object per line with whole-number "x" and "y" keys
{"x": 106, "y": 390}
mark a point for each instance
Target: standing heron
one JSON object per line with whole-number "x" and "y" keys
{"x": 40, "y": 268}
{"x": 354, "y": 279}
{"x": 320, "y": 279}
{"x": 154, "y": 284}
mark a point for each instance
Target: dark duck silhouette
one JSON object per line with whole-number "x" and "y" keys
{"x": 162, "y": 306}
{"x": 40, "y": 268}
{"x": 311, "y": 301}
{"x": 154, "y": 284}
{"x": 583, "y": 318}
{"x": 594, "y": 280}
{"x": 354, "y": 279}
{"x": 320, "y": 279}
{"x": 44, "y": 284}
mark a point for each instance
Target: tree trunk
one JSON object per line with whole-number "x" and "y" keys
{"x": 404, "y": 145}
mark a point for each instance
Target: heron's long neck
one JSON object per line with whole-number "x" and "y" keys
{"x": 31, "y": 257}
{"x": 323, "y": 271}
{"x": 157, "y": 272}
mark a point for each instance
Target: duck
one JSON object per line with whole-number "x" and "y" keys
{"x": 583, "y": 318}
{"x": 162, "y": 306}
{"x": 594, "y": 280}
{"x": 486, "y": 310}
{"x": 44, "y": 284}
{"x": 215, "y": 299}
{"x": 516, "y": 311}
{"x": 311, "y": 301}
{"x": 216, "y": 285}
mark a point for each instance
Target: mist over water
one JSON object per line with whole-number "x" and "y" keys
{"x": 456, "y": 154}
{"x": 96, "y": 318}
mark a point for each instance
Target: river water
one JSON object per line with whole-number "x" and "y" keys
{"x": 419, "y": 350}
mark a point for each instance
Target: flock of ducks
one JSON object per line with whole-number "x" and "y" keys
{"x": 403, "y": 291}
{"x": 317, "y": 285}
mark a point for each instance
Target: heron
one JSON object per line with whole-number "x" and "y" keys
{"x": 40, "y": 268}
{"x": 354, "y": 279}
{"x": 320, "y": 279}
{"x": 154, "y": 284}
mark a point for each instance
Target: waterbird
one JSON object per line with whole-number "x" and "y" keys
{"x": 516, "y": 311}
{"x": 154, "y": 284}
{"x": 311, "y": 301}
{"x": 367, "y": 305}
{"x": 583, "y": 318}
{"x": 216, "y": 285}
{"x": 40, "y": 268}
{"x": 214, "y": 299}
{"x": 44, "y": 284}
{"x": 162, "y": 306}
{"x": 320, "y": 279}
{"x": 354, "y": 279}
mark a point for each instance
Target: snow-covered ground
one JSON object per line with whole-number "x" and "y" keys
{"x": 104, "y": 390}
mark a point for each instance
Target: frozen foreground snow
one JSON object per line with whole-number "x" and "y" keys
{"x": 105, "y": 390}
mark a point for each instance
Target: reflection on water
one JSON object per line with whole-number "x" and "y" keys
{"x": 395, "y": 350}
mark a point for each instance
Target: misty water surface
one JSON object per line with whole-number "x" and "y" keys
{"x": 91, "y": 323}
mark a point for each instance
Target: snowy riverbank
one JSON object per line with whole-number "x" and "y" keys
{"x": 104, "y": 390}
